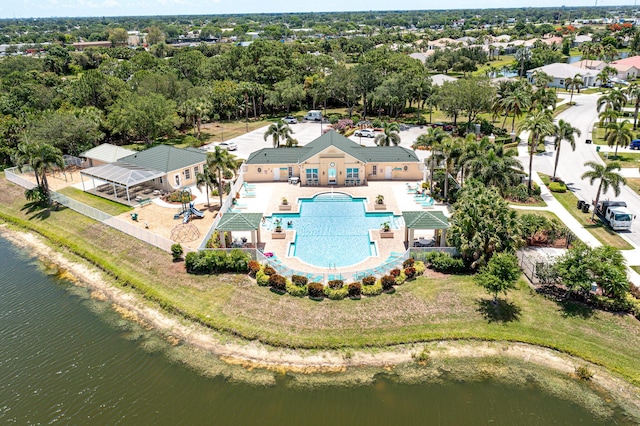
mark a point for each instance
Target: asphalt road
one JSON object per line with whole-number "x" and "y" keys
{"x": 571, "y": 166}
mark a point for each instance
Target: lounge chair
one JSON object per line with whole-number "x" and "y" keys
{"x": 248, "y": 194}
{"x": 248, "y": 186}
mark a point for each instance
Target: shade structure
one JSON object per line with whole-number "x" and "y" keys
{"x": 122, "y": 174}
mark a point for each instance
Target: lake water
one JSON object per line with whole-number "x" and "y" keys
{"x": 67, "y": 358}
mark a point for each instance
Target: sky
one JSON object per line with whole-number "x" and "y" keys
{"x": 57, "y": 8}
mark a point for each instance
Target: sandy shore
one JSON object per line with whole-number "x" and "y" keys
{"x": 258, "y": 355}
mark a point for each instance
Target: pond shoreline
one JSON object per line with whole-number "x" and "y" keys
{"x": 255, "y": 355}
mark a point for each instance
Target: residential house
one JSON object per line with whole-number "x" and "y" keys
{"x": 561, "y": 72}
{"x": 440, "y": 79}
{"x": 104, "y": 154}
{"x": 628, "y": 68}
{"x": 332, "y": 159}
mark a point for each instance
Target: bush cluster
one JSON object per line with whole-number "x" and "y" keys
{"x": 336, "y": 293}
{"x": 297, "y": 290}
{"x": 268, "y": 270}
{"x": 444, "y": 262}
{"x": 409, "y": 262}
{"x": 372, "y": 290}
{"x": 216, "y": 261}
{"x": 254, "y": 266}
{"x": 387, "y": 282}
{"x": 278, "y": 282}
{"x": 316, "y": 290}
{"x": 335, "y": 284}
{"x": 557, "y": 187}
{"x": 410, "y": 272}
{"x": 367, "y": 281}
{"x": 355, "y": 289}
{"x": 521, "y": 194}
{"x": 395, "y": 273}
{"x": 262, "y": 279}
{"x": 299, "y": 280}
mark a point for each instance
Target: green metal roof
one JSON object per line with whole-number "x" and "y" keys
{"x": 425, "y": 220}
{"x": 278, "y": 155}
{"x": 239, "y": 221}
{"x": 166, "y": 158}
{"x": 388, "y": 154}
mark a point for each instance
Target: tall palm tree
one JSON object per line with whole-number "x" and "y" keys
{"x": 615, "y": 99}
{"x": 219, "y": 161}
{"x": 572, "y": 84}
{"x": 517, "y": 103}
{"x": 564, "y": 132}
{"x": 539, "y": 124}
{"x": 633, "y": 94}
{"x": 429, "y": 140}
{"x": 608, "y": 116}
{"x": 278, "y": 130}
{"x": 618, "y": 133}
{"x": 208, "y": 179}
{"x": 41, "y": 157}
{"x": 389, "y": 135}
{"x": 448, "y": 149}
{"x": 609, "y": 178}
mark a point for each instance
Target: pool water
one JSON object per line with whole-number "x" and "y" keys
{"x": 332, "y": 230}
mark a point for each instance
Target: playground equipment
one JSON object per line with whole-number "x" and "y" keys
{"x": 134, "y": 216}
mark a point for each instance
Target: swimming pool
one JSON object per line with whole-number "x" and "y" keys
{"x": 332, "y": 230}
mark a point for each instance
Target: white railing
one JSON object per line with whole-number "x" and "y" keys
{"x": 17, "y": 179}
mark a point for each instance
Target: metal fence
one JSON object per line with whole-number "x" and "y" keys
{"x": 79, "y": 207}
{"x": 141, "y": 234}
{"x": 539, "y": 271}
{"x": 14, "y": 177}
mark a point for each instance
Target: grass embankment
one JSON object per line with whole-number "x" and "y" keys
{"x": 561, "y": 108}
{"x": 634, "y": 184}
{"x": 107, "y": 206}
{"x": 427, "y": 309}
{"x": 544, "y": 213}
{"x": 625, "y": 159}
{"x": 597, "y": 228}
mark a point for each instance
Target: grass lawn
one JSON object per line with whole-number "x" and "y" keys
{"x": 561, "y": 108}
{"x": 433, "y": 307}
{"x": 544, "y": 213}
{"x": 624, "y": 158}
{"x": 634, "y": 184}
{"x": 540, "y": 203}
{"x": 602, "y": 232}
{"x": 107, "y": 206}
{"x": 498, "y": 64}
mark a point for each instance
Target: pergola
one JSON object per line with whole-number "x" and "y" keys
{"x": 431, "y": 220}
{"x": 121, "y": 175}
{"x": 230, "y": 222}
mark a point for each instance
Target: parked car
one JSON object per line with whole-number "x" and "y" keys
{"x": 289, "y": 119}
{"x": 635, "y": 144}
{"x": 229, "y": 146}
{"x": 365, "y": 133}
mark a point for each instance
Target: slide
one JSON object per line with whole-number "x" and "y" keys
{"x": 187, "y": 215}
{"x": 196, "y": 212}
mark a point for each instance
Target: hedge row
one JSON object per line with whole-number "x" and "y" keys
{"x": 216, "y": 261}
{"x": 299, "y": 286}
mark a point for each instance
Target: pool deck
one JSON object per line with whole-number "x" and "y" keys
{"x": 266, "y": 198}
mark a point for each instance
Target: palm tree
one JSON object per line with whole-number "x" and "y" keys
{"x": 41, "y": 157}
{"x": 277, "y": 131}
{"x": 633, "y": 93}
{"x": 448, "y": 149}
{"x": 517, "y": 103}
{"x": 615, "y": 99}
{"x": 522, "y": 55}
{"x": 389, "y": 135}
{"x": 220, "y": 161}
{"x": 618, "y": 133}
{"x": 564, "y": 132}
{"x": 608, "y": 116}
{"x": 609, "y": 178}
{"x": 609, "y": 52}
{"x": 541, "y": 79}
{"x": 497, "y": 167}
{"x": 572, "y": 84}
{"x": 429, "y": 140}
{"x": 207, "y": 179}
{"x": 539, "y": 124}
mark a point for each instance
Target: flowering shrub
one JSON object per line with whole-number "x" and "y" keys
{"x": 410, "y": 272}
{"x": 395, "y": 272}
{"x": 254, "y": 267}
{"x": 343, "y": 125}
{"x": 407, "y": 263}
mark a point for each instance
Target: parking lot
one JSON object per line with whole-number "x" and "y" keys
{"x": 305, "y": 132}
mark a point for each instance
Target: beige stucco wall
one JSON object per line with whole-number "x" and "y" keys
{"x": 341, "y": 162}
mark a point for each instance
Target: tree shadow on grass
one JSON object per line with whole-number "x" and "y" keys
{"x": 572, "y": 308}
{"x": 502, "y": 311}
{"x": 37, "y": 210}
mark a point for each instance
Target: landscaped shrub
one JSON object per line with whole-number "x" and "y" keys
{"x": 420, "y": 268}
{"x": 394, "y": 272}
{"x": 368, "y": 281}
{"x": 299, "y": 280}
{"x": 268, "y": 270}
{"x": 296, "y": 290}
{"x": 316, "y": 290}
{"x": 410, "y": 272}
{"x": 444, "y": 262}
{"x": 372, "y": 290}
{"x": 278, "y": 282}
{"x": 335, "y": 284}
{"x": 407, "y": 263}
{"x": 176, "y": 251}
{"x": 557, "y": 187}
{"x": 262, "y": 279}
{"x": 254, "y": 266}
{"x": 387, "y": 282}
{"x": 214, "y": 261}
{"x": 355, "y": 289}
{"x": 336, "y": 293}
{"x": 237, "y": 260}
{"x": 401, "y": 278}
